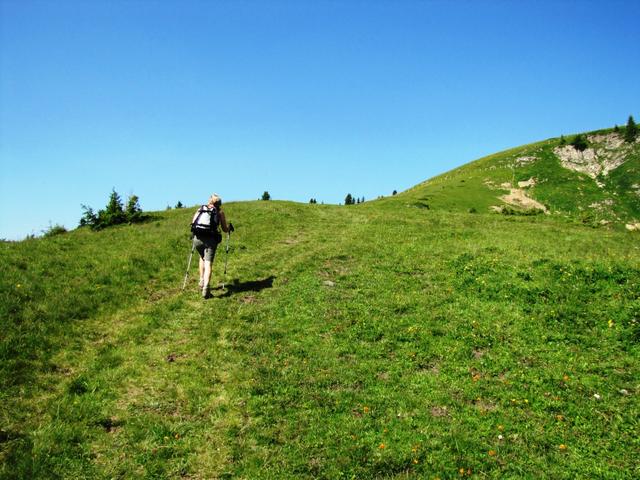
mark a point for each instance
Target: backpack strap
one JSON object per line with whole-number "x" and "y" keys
{"x": 200, "y": 212}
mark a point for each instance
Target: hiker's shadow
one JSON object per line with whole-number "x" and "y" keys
{"x": 237, "y": 286}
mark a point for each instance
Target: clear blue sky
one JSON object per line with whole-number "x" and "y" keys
{"x": 173, "y": 100}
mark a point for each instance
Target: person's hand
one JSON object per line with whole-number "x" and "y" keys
{"x": 231, "y": 229}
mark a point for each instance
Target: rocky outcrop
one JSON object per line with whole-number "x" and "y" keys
{"x": 606, "y": 153}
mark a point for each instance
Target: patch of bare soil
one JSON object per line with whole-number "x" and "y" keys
{"x": 484, "y": 405}
{"x": 248, "y": 299}
{"x": 439, "y": 412}
{"x": 527, "y": 183}
{"x": 518, "y": 198}
{"x": 478, "y": 353}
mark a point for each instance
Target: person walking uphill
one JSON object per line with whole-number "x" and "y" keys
{"x": 206, "y": 237}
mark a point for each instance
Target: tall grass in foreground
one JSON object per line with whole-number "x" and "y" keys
{"x": 370, "y": 341}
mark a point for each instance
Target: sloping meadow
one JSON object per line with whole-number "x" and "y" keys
{"x": 371, "y": 341}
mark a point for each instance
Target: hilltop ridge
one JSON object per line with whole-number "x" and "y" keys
{"x": 599, "y": 185}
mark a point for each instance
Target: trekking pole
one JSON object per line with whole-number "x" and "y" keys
{"x": 226, "y": 258}
{"x": 184, "y": 284}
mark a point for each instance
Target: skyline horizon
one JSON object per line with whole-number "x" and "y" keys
{"x": 171, "y": 100}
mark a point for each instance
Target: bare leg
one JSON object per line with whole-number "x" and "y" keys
{"x": 207, "y": 273}
{"x": 205, "y": 278}
{"x": 201, "y": 270}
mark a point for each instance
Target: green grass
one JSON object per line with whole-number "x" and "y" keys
{"x": 566, "y": 193}
{"x": 374, "y": 341}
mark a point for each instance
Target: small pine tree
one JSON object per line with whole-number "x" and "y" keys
{"x": 616, "y": 128}
{"x": 113, "y": 214}
{"x": 133, "y": 211}
{"x": 266, "y": 196}
{"x": 395, "y": 192}
{"x": 580, "y": 143}
{"x": 631, "y": 131}
{"x": 348, "y": 200}
{"x": 89, "y": 218}
{"x": 179, "y": 204}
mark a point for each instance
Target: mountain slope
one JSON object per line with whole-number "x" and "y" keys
{"x": 599, "y": 185}
{"x": 370, "y": 341}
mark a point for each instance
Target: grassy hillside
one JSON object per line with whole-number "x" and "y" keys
{"x": 372, "y": 341}
{"x": 608, "y": 197}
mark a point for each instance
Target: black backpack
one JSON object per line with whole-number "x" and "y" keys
{"x": 206, "y": 222}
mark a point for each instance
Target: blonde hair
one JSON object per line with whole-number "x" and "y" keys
{"x": 215, "y": 200}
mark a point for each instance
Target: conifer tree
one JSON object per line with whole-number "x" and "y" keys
{"x": 113, "y": 214}
{"x": 133, "y": 213}
{"x": 89, "y": 218}
{"x": 348, "y": 200}
{"x": 266, "y": 196}
{"x": 580, "y": 143}
{"x": 631, "y": 131}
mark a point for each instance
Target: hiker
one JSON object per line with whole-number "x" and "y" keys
{"x": 206, "y": 237}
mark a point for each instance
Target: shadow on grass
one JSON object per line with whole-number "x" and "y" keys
{"x": 236, "y": 286}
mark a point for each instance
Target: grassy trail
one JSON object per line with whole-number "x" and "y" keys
{"x": 353, "y": 343}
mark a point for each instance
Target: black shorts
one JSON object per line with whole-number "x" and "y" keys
{"x": 206, "y": 247}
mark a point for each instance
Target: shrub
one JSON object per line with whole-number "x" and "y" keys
{"x": 580, "y": 143}
{"x": 266, "y": 196}
{"x": 348, "y": 200}
{"x": 54, "y": 230}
